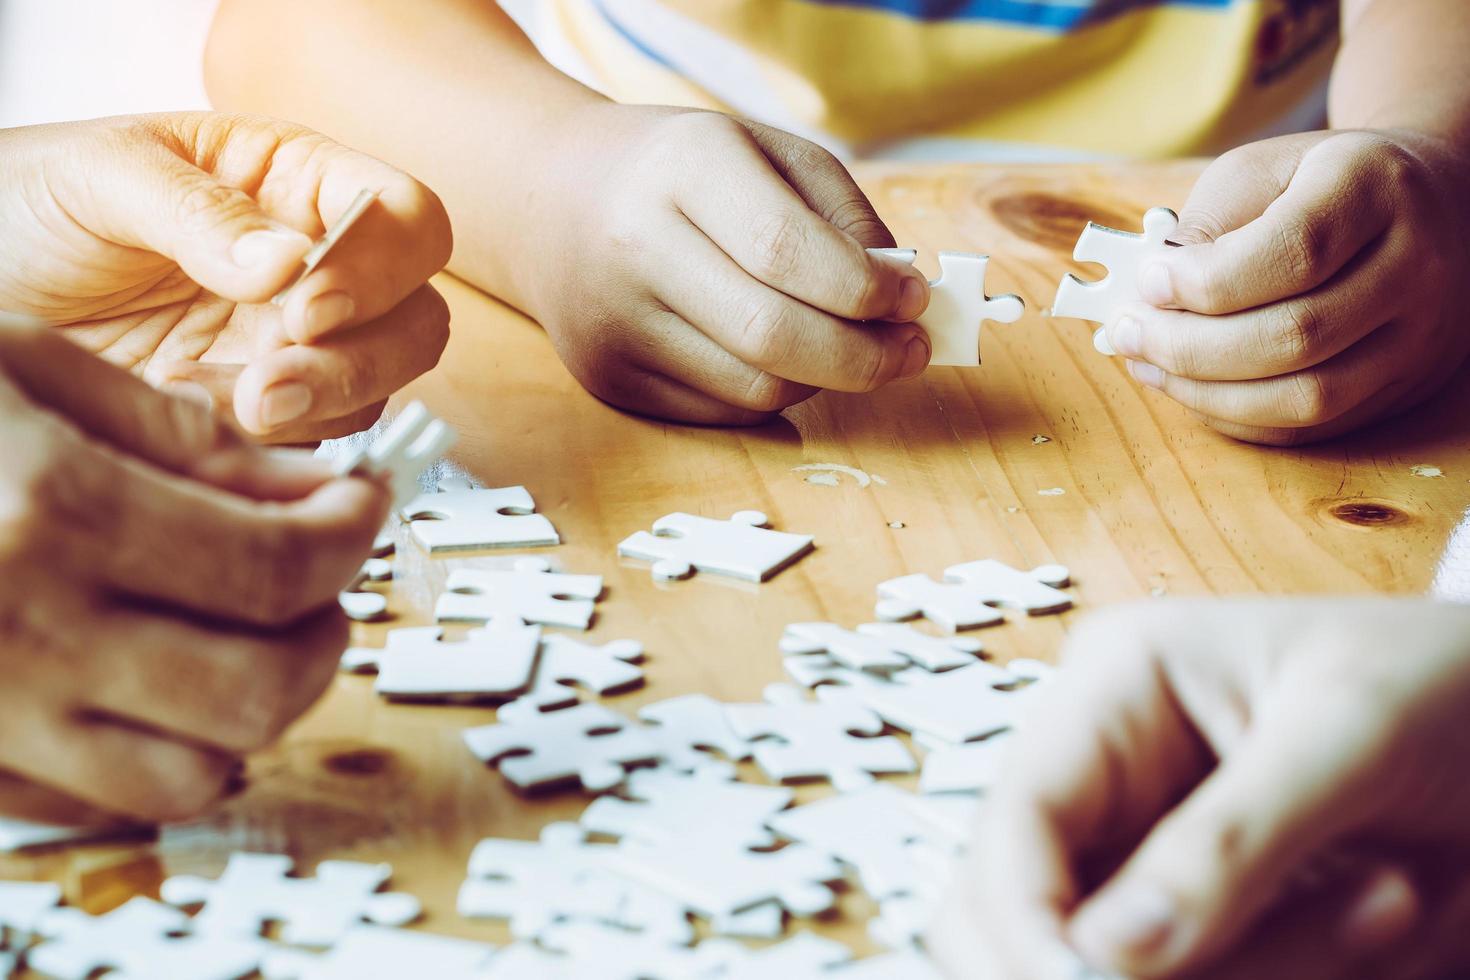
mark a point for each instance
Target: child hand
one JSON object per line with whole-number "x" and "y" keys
{"x": 1265, "y": 788}
{"x": 710, "y": 269}
{"x": 1320, "y": 286}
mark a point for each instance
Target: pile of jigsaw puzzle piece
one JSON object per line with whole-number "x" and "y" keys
{"x": 673, "y": 834}
{"x": 675, "y": 845}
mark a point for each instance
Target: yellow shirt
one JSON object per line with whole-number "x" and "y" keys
{"x": 978, "y": 78}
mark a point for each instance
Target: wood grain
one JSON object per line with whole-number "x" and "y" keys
{"x": 1049, "y": 453}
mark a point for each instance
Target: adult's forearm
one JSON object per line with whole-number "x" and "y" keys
{"x": 449, "y": 90}
{"x": 1403, "y": 65}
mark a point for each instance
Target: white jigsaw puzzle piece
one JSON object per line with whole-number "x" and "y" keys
{"x": 528, "y": 592}
{"x": 140, "y": 940}
{"x": 257, "y": 889}
{"x": 600, "y": 952}
{"x": 377, "y": 953}
{"x": 882, "y": 648}
{"x": 800, "y": 739}
{"x": 873, "y": 831}
{"x": 971, "y": 593}
{"x": 418, "y": 665}
{"x": 970, "y": 767}
{"x": 587, "y": 743}
{"x": 805, "y": 956}
{"x": 906, "y": 965}
{"x": 22, "y": 906}
{"x": 1124, "y": 254}
{"x": 687, "y": 728}
{"x": 565, "y": 662}
{"x": 410, "y": 444}
{"x": 363, "y": 605}
{"x": 663, "y": 805}
{"x": 469, "y": 519}
{"x": 717, "y": 879}
{"x": 958, "y": 305}
{"x": 742, "y": 547}
{"x": 533, "y": 884}
{"x": 956, "y": 706}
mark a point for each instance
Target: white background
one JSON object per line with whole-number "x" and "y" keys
{"x": 78, "y": 59}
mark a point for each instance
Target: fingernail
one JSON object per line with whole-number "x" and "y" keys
{"x": 327, "y": 312}
{"x": 269, "y": 247}
{"x": 284, "y": 402}
{"x": 1155, "y": 286}
{"x": 915, "y": 358}
{"x": 1125, "y": 336}
{"x": 1136, "y": 920}
{"x": 1146, "y": 374}
{"x": 913, "y": 297}
{"x": 189, "y": 391}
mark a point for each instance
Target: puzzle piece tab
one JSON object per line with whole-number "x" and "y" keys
{"x": 567, "y": 663}
{"x": 469, "y": 519}
{"x": 586, "y": 744}
{"x": 971, "y": 591}
{"x": 528, "y": 592}
{"x": 957, "y": 305}
{"x": 418, "y": 665}
{"x": 410, "y": 444}
{"x": 1124, "y": 254}
{"x": 141, "y": 940}
{"x": 257, "y": 889}
{"x": 742, "y": 547}
{"x": 800, "y": 739}
{"x": 686, "y": 729}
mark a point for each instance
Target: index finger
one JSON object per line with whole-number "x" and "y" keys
{"x": 744, "y": 206}
{"x": 400, "y": 241}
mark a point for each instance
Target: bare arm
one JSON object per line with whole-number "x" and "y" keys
{"x": 449, "y": 89}
{"x": 1403, "y": 65}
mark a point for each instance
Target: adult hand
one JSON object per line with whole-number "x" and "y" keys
{"x": 1233, "y": 789}
{"x": 711, "y": 269}
{"x": 157, "y": 241}
{"x": 170, "y": 596}
{"x": 1319, "y": 286}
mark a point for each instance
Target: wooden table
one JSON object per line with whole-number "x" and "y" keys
{"x": 1049, "y": 453}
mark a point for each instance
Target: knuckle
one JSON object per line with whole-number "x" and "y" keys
{"x": 1306, "y": 399}
{"x": 764, "y": 337}
{"x": 1307, "y": 246}
{"x": 204, "y": 204}
{"x": 266, "y": 706}
{"x": 273, "y": 579}
{"x": 186, "y": 786}
{"x": 1299, "y": 335}
{"x": 768, "y": 393}
{"x": 777, "y": 247}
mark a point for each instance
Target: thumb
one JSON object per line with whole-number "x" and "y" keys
{"x": 1205, "y": 873}
{"x": 218, "y": 234}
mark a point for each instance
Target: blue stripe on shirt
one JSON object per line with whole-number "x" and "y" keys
{"x": 1060, "y": 15}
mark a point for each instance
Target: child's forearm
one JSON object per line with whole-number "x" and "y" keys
{"x": 450, "y": 90}
{"x": 1403, "y": 65}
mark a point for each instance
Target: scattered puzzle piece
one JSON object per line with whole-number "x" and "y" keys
{"x": 664, "y": 805}
{"x": 802, "y": 957}
{"x": 958, "y": 304}
{"x": 605, "y": 669}
{"x": 880, "y": 648}
{"x": 376, "y": 953}
{"x": 955, "y": 706}
{"x": 141, "y": 940}
{"x": 23, "y": 904}
{"x": 686, "y": 728}
{"x": 528, "y": 592}
{"x": 408, "y": 446}
{"x": 970, "y": 767}
{"x": 602, "y": 952}
{"x": 971, "y": 591}
{"x": 256, "y": 889}
{"x": 361, "y": 604}
{"x": 1124, "y": 254}
{"x": 801, "y": 739}
{"x": 468, "y": 519}
{"x": 418, "y": 665}
{"x": 717, "y": 879}
{"x": 742, "y": 547}
{"x": 587, "y": 744}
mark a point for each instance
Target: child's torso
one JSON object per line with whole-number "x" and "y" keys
{"x": 976, "y": 77}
